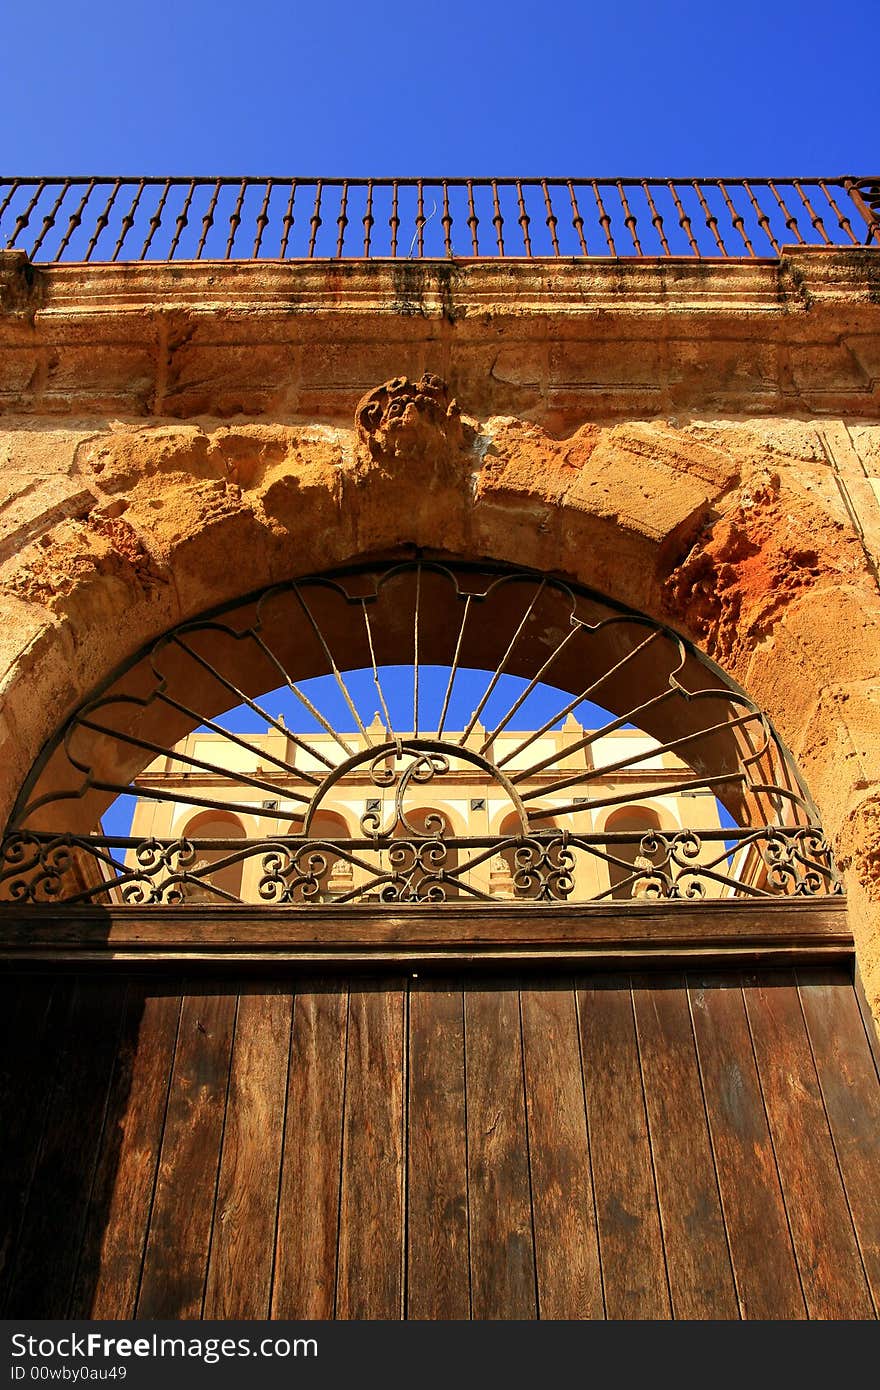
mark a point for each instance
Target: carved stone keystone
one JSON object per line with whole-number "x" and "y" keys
{"x": 411, "y": 419}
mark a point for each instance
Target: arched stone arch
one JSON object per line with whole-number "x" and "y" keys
{"x": 455, "y": 820}
{"x": 760, "y": 566}
{"x": 337, "y": 878}
{"x": 626, "y": 856}
{"x": 216, "y": 825}
{"x": 424, "y": 819}
{"x": 655, "y": 812}
{"x": 586, "y": 878}
{"x": 328, "y": 823}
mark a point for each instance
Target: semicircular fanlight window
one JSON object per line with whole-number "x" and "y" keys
{"x": 415, "y": 732}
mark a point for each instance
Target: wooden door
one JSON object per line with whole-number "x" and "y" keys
{"x": 568, "y": 1144}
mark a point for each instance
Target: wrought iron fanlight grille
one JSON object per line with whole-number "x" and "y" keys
{"x": 414, "y": 732}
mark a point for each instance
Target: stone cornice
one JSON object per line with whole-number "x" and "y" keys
{"x": 801, "y": 279}
{"x": 553, "y": 341}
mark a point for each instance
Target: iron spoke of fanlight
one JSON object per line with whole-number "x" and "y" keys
{"x": 451, "y": 628}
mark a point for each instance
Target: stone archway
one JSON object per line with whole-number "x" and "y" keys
{"x": 733, "y": 532}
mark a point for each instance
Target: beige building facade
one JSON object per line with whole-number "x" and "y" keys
{"x": 468, "y": 804}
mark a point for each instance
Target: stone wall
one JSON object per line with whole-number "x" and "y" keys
{"x": 697, "y": 440}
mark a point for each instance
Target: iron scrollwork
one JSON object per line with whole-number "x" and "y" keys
{"x": 675, "y": 730}
{"x": 540, "y": 868}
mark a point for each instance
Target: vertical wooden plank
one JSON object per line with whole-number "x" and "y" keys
{"x": 851, "y": 1093}
{"x": 828, "y": 1257}
{"x": 438, "y": 1281}
{"x": 697, "y": 1257}
{"x": 501, "y": 1237}
{"x": 59, "y": 1196}
{"x": 31, "y": 1016}
{"x": 566, "y": 1241}
{"x": 630, "y": 1237}
{"x": 176, "y": 1256}
{"x": 243, "y": 1240}
{"x": 371, "y": 1226}
{"x": 764, "y": 1266}
{"x": 870, "y": 1022}
{"x": 116, "y": 1227}
{"x": 308, "y": 1207}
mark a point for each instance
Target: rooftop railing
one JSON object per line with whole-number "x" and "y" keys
{"x": 224, "y": 219}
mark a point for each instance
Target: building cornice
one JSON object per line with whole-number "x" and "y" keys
{"x": 586, "y": 337}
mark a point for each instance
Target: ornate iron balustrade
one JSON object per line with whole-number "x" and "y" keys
{"x": 539, "y": 868}
{"x": 132, "y": 219}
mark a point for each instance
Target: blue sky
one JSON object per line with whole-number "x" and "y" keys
{"x": 590, "y": 88}
{"x": 483, "y": 88}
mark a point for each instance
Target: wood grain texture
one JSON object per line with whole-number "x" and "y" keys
{"x": 403, "y": 936}
{"x": 768, "y": 1284}
{"x": 176, "y": 1258}
{"x": 243, "y": 1240}
{"x": 237, "y": 1149}
{"x": 828, "y": 1257}
{"x": 371, "y": 1208}
{"x": 438, "y": 1284}
{"x": 503, "y": 1283}
{"x": 308, "y": 1206}
{"x": 697, "y": 1257}
{"x": 630, "y": 1236}
{"x": 853, "y": 974}
{"x": 55, "y": 1216}
{"x": 31, "y": 1013}
{"x": 119, "y": 1211}
{"x": 566, "y": 1241}
{"x": 851, "y": 1095}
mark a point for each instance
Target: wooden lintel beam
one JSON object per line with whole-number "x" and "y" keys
{"x": 420, "y": 934}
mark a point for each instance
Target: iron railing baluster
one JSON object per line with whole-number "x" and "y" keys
{"x": 368, "y": 219}
{"x": 604, "y": 219}
{"x": 655, "y": 217}
{"x": 235, "y": 220}
{"x": 128, "y": 220}
{"x": 262, "y": 220}
{"x": 473, "y": 221}
{"x": 629, "y": 219}
{"x": 208, "y": 219}
{"x": 49, "y": 221}
{"x": 523, "y": 217}
{"x": 446, "y": 220}
{"x": 394, "y": 219}
{"x": 577, "y": 220}
{"x": 684, "y": 220}
{"x": 811, "y": 212}
{"x": 711, "y": 219}
{"x": 342, "y": 219}
{"x": 639, "y": 201}
{"x": 102, "y": 220}
{"x": 842, "y": 220}
{"x": 736, "y": 217}
{"x": 287, "y": 221}
{"x": 75, "y": 220}
{"x": 155, "y": 221}
{"x": 791, "y": 221}
{"x": 24, "y": 217}
{"x": 551, "y": 218}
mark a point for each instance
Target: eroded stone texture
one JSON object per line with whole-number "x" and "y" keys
{"x": 747, "y": 566}
{"x": 860, "y": 844}
{"x": 710, "y": 465}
